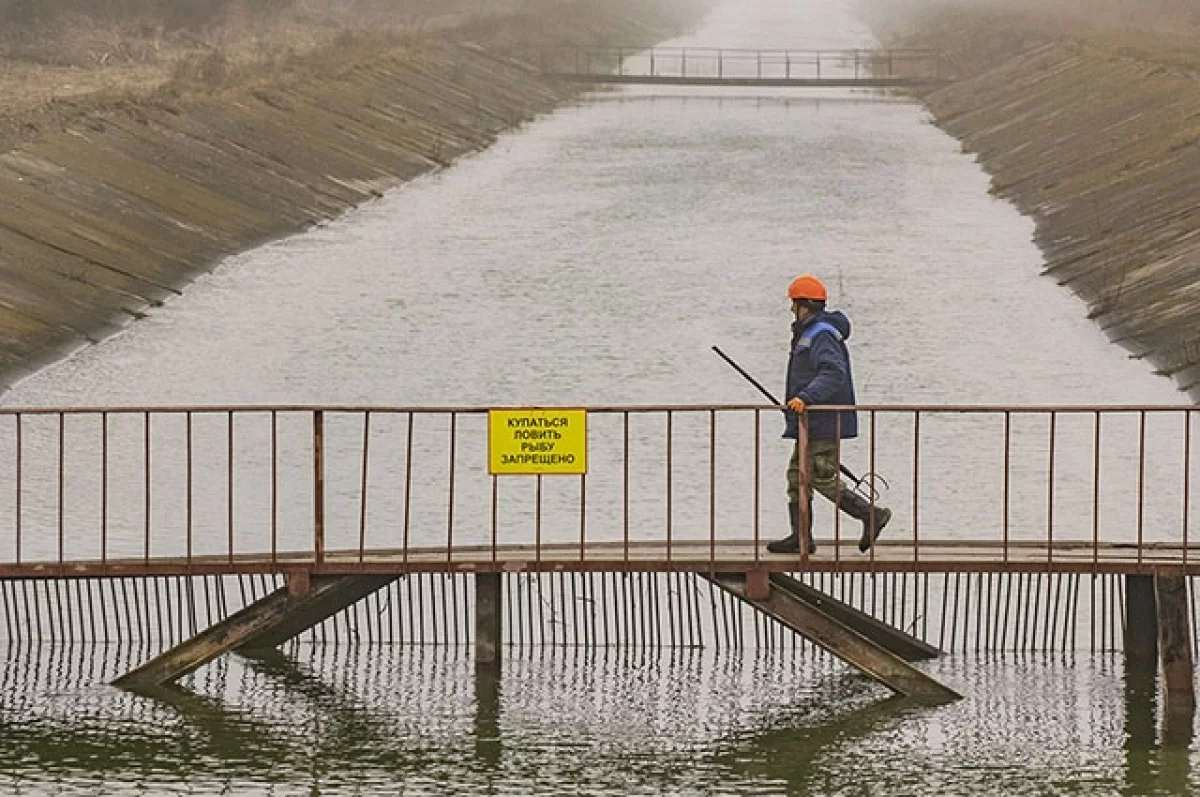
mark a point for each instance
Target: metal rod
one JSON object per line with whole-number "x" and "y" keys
{"x": 189, "y": 511}
{"x": 1050, "y": 494}
{"x": 1141, "y": 482}
{"x": 18, "y": 484}
{"x": 362, "y": 493}
{"x": 229, "y": 480}
{"x": 146, "y": 455}
{"x": 450, "y": 502}
{"x": 757, "y": 483}
{"x": 408, "y": 456}
{"x": 916, "y": 520}
{"x": 274, "y": 483}
{"x": 625, "y": 488}
{"x": 712, "y": 491}
{"x": 1187, "y": 490}
{"x": 319, "y": 486}
{"x": 62, "y": 496}
{"x": 1007, "y": 478}
{"x": 1096, "y": 490}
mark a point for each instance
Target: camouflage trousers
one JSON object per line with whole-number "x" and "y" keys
{"x": 822, "y": 471}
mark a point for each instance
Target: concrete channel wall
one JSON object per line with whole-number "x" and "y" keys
{"x": 109, "y": 206}
{"x": 1096, "y": 136}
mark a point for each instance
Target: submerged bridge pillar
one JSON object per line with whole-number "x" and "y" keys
{"x": 1158, "y": 636}
{"x": 488, "y": 623}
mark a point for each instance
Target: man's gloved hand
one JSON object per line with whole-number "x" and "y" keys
{"x": 796, "y": 405}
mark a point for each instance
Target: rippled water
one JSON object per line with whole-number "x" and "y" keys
{"x": 594, "y": 257}
{"x": 357, "y": 720}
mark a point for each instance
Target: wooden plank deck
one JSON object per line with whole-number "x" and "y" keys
{"x": 730, "y": 556}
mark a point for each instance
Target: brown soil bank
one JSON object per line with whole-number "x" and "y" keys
{"x": 112, "y": 200}
{"x": 1091, "y": 125}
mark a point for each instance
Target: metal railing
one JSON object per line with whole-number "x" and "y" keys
{"x": 734, "y": 64}
{"x": 190, "y": 490}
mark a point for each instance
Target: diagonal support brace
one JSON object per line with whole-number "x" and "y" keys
{"x": 266, "y": 623}
{"x": 842, "y": 641}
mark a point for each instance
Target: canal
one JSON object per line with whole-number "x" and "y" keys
{"x": 594, "y": 257}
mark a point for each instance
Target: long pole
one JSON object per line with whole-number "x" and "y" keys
{"x": 846, "y": 471}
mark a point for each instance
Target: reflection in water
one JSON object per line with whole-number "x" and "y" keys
{"x": 1163, "y": 765}
{"x": 364, "y": 719}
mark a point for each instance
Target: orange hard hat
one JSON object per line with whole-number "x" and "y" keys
{"x": 807, "y": 287}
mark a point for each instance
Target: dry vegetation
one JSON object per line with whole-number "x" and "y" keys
{"x": 1160, "y": 31}
{"x": 56, "y": 53}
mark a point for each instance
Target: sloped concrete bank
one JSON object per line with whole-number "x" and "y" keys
{"x": 1099, "y": 141}
{"x": 107, "y": 207}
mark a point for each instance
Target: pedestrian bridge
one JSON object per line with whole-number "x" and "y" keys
{"x": 340, "y": 501}
{"x": 715, "y": 66}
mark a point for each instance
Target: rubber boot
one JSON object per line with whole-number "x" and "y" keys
{"x": 873, "y": 517}
{"x": 791, "y": 543}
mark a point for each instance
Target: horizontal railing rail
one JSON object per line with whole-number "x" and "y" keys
{"x": 745, "y": 64}
{"x": 242, "y": 489}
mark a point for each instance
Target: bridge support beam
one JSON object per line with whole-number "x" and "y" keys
{"x": 888, "y": 637}
{"x": 268, "y": 622}
{"x": 488, "y": 623}
{"x": 821, "y": 628}
{"x": 1141, "y": 623}
{"x": 1175, "y": 644}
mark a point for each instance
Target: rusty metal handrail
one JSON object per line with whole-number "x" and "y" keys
{"x": 188, "y": 489}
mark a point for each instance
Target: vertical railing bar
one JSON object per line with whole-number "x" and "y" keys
{"x": 104, "y": 491}
{"x": 837, "y": 501}
{"x": 408, "y": 452}
{"x": 712, "y": 490}
{"x": 537, "y": 520}
{"x": 229, "y": 480}
{"x": 1141, "y": 482}
{"x": 874, "y": 488}
{"x": 1007, "y": 481}
{"x": 189, "y": 510}
{"x": 670, "y": 474}
{"x": 582, "y": 517}
{"x": 362, "y": 500}
{"x": 319, "y": 486}
{"x": 1187, "y": 487}
{"x": 274, "y": 486}
{"x": 1096, "y": 492}
{"x": 495, "y": 518}
{"x": 1050, "y": 493}
{"x": 450, "y": 506}
{"x": 146, "y": 455}
{"x": 625, "y": 489}
{"x": 757, "y": 483}
{"x": 17, "y": 485}
{"x": 62, "y": 488}
{"x": 916, "y": 486}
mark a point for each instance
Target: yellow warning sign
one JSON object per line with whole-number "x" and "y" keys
{"x": 537, "y": 441}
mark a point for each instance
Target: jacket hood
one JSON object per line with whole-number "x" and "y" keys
{"x": 837, "y": 319}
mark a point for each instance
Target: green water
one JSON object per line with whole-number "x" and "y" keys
{"x": 396, "y": 719}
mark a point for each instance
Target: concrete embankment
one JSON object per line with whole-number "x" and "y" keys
{"x": 110, "y": 205}
{"x": 1097, "y": 137}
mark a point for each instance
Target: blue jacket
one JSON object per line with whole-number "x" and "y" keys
{"x": 818, "y": 373}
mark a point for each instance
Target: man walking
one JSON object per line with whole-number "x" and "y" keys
{"x": 819, "y": 373}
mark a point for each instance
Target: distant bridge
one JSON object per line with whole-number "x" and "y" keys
{"x": 713, "y": 66}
